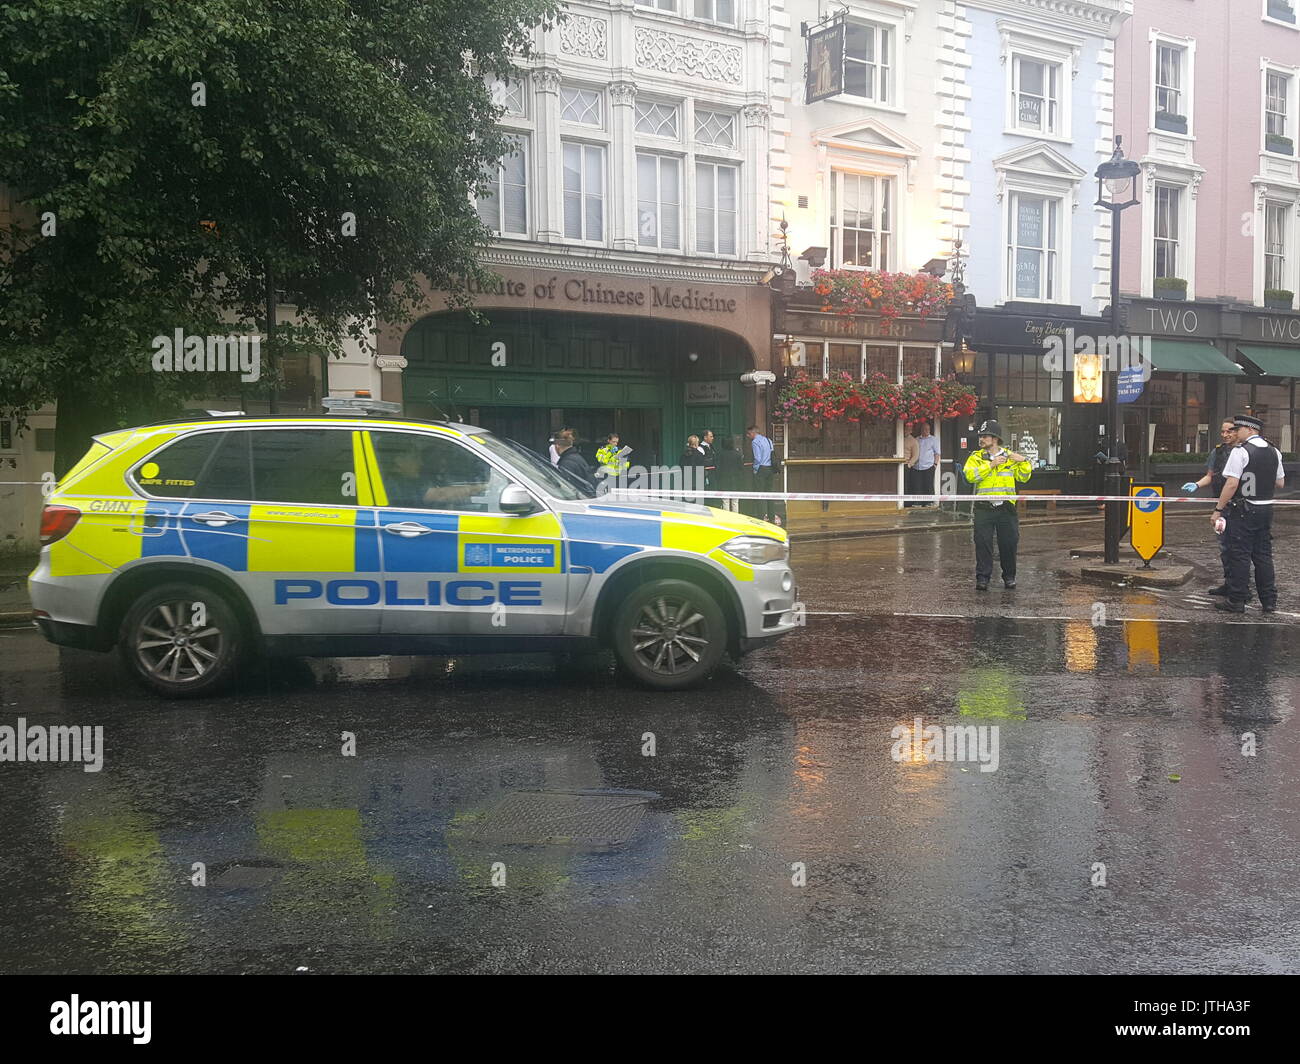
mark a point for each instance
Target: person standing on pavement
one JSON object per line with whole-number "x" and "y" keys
{"x": 692, "y": 463}
{"x": 1214, "y": 478}
{"x": 995, "y": 471}
{"x": 554, "y": 450}
{"x": 730, "y": 469}
{"x": 571, "y": 460}
{"x": 708, "y": 449}
{"x": 927, "y": 458}
{"x": 1252, "y": 476}
{"x": 911, "y": 452}
{"x": 761, "y": 447}
{"x": 611, "y": 459}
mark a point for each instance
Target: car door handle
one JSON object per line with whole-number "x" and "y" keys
{"x": 408, "y": 529}
{"x": 215, "y": 518}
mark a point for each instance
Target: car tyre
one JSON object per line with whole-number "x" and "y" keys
{"x": 669, "y": 634}
{"x": 166, "y": 649}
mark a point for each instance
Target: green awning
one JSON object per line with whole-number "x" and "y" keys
{"x": 1191, "y": 356}
{"x": 1274, "y": 361}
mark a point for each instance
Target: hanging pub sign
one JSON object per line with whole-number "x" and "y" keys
{"x": 825, "y": 71}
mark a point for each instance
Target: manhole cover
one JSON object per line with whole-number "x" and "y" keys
{"x": 576, "y": 818}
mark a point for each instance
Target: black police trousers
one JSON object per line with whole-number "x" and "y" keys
{"x": 1250, "y": 541}
{"x": 1002, "y": 522}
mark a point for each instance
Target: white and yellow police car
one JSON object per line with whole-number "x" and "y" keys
{"x": 190, "y": 544}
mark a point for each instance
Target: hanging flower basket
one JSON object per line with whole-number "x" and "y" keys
{"x": 880, "y": 292}
{"x": 927, "y": 399}
{"x": 841, "y": 398}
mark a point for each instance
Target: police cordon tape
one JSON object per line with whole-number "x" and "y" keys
{"x": 632, "y": 494}
{"x": 795, "y": 496}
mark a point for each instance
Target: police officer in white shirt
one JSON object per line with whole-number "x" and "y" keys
{"x": 1252, "y": 477}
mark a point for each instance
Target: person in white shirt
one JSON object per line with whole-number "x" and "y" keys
{"x": 1252, "y": 477}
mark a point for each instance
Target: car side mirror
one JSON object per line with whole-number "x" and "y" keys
{"x": 517, "y": 500}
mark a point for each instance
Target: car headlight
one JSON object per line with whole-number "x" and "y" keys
{"x": 757, "y": 550}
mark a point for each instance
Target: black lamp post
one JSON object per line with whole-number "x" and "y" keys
{"x": 1116, "y": 191}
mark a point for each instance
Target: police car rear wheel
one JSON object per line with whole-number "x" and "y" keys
{"x": 670, "y": 634}
{"x": 181, "y": 640}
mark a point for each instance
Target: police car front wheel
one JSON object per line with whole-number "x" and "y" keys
{"x": 181, "y": 640}
{"x": 670, "y": 634}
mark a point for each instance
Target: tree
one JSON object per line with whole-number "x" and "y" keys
{"x": 170, "y": 163}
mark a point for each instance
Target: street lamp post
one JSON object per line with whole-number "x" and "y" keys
{"x": 1116, "y": 191}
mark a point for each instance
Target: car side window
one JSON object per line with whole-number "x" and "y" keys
{"x": 312, "y": 466}
{"x": 423, "y": 472}
{"x": 175, "y": 472}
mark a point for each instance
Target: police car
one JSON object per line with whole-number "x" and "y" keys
{"x": 190, "y": 544}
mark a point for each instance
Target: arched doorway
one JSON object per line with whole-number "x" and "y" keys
{"x": 528, "y": 373}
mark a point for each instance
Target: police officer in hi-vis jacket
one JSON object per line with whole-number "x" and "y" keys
{"x": 995, "y": 471}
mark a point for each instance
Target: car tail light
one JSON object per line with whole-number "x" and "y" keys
{"x": 57, "y": 522}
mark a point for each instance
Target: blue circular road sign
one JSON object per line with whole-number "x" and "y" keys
{"x": 1151, "y": 494}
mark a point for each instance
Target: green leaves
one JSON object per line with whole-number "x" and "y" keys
{"x": 313, "y": 109}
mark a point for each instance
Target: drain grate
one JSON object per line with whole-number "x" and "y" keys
{"x": 595, "y": 818}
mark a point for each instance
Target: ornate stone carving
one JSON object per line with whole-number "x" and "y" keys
{"x": 547, "y": 79}
{"x": 675, "y": 54}
{"x": 623, "y": 93}
{"x": 390, "y": 362}
{"x": 585, "y": 36}
{"x": 1196, "y": 184}
{"x": 755, "y": 114}
{"x": 1261, "y": 196}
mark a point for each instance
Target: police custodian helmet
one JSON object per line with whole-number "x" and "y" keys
{"x": 1245, "y": 421}
{"x": 991, "y": 428}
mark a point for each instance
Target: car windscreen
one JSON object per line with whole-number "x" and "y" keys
{"x": 533, "y": 466}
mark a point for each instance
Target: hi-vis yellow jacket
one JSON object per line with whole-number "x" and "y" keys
{"x": 607, "y": 457}
{"x": 995, "y": 481}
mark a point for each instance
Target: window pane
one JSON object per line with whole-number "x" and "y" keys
{"x": 726, "y": 210}
{"x": 670, "y": 200}
{"x": 572, "y": 168}
{"x": 489, "y": 205}
{"x": 302, "y": 465}
{"x": 229, "y": 473}
{"x": 726, "y": 188}
{"x": 424, "y": 472}
{"x": 514, "y": 192}
{"x": 856, "y": 42}
{"x": 846, "y": 358}
{"x": 647, "y": 207}
{"x": 180, "y": 466}
{"x": 1029, "y": 223}
{"x": 715, "y": 127}
{"x": 580, "y": 105}
{"x": 1035, "y": 432}
{"x": 573, "y": 191}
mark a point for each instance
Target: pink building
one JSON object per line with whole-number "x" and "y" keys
{"x": 1207, "y": 100}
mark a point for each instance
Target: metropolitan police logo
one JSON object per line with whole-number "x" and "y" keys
{"x": 478, "y": 554}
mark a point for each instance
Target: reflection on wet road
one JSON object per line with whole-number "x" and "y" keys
{"x": 502, "y": 816}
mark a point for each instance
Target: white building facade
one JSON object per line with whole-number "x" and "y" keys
{"x": 633, "y": 233}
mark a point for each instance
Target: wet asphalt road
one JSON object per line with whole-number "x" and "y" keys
{"x": 386, "y": 861}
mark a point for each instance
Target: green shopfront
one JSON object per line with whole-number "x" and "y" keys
{"x": 1212, "y": 360}
{"x": 652, "y": 361}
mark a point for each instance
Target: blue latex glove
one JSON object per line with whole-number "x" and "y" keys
{"x": 1189, "y": 488}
